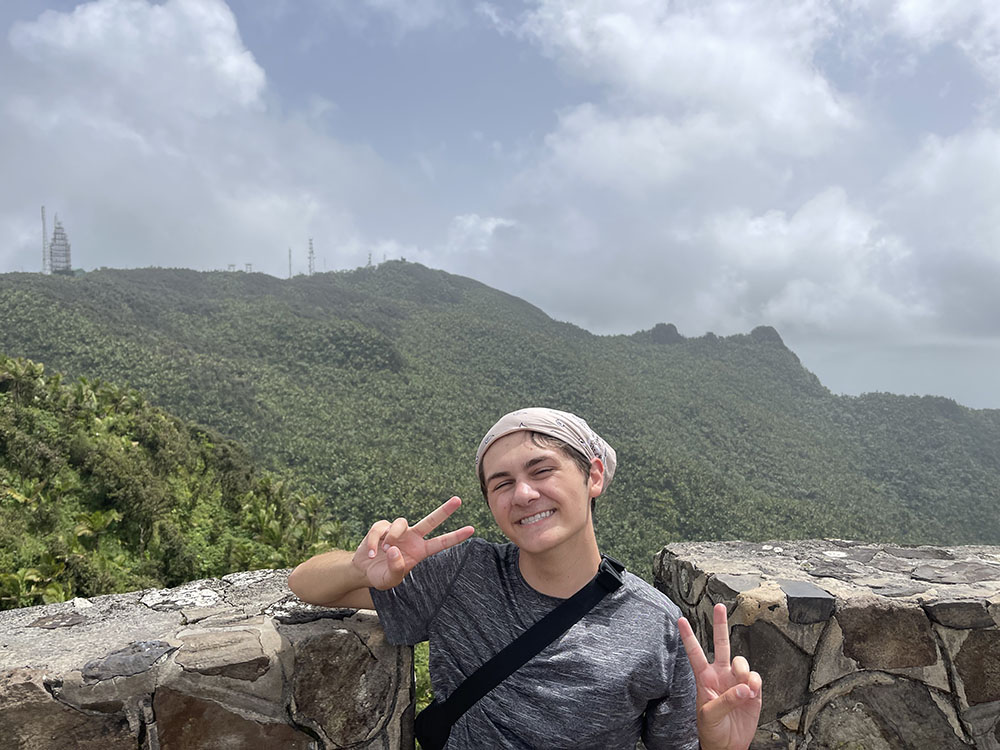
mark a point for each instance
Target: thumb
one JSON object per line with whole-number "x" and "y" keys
{"x": 717, "y": 709}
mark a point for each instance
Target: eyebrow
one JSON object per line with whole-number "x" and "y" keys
{"x": 527, "y": 465}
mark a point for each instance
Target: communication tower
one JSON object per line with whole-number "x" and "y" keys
{"x": 312, "y": 258}
{"x": 59, "y": 257}
{"x": 45, "y": 245}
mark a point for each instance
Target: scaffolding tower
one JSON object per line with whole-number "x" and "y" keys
{"x": 59, "y": 257}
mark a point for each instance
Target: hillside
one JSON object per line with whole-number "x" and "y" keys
{"x": 374, "y": 386}
{"x": 102, "y": 492}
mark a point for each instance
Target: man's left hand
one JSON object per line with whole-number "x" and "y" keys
{"x": 729, "y": 694}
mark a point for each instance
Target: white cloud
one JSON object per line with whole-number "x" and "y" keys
{"x": 184, "y": 56}
{"x": 829, "y": 267}
{"x": 972, "y": 25}
{"x": 748, "y": 63}
{"x": 637, "y": 153}
{"x": 472, "y": 233}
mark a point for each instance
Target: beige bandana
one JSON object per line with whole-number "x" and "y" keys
{"x": 569, "y": 428}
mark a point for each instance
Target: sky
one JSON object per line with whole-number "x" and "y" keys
{"x": 830, "y": 168}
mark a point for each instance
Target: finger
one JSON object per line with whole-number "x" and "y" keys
{"x": 443, "y": 542}
{"x": 397, "y": 565}
{"x": 436, "y": 517}
{"x": 756, "y": 684}
{"x": 395, "y": 533}
{"x": 720, "y": 634}
{"x": 373, "y": 537}
{"x": 695, "y": 655}
{"x": 741, "y": 669}
{"x": 737, "y": 697}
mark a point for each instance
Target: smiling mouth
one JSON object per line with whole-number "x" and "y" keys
{"x": 535, "y": 518}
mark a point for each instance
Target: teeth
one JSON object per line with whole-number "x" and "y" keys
{"x": 535, "y": 518}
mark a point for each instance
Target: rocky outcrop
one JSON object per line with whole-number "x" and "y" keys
{"x": 859, "y": 645}
{"x": 231, "y": 663}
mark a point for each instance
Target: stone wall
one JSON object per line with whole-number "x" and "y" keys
{"x": 236, "y": 663}
{"x": 859, "y": 645}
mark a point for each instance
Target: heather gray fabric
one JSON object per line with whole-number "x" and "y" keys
{"x": 618, "y": 673}
{"x": 571, "y": 429}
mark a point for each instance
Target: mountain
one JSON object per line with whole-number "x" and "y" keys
{"x": 373, "y": 387}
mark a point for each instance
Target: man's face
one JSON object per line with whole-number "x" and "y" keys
{"x": 539, "y": 497}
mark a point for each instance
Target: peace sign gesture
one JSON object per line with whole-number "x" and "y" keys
{"x": 390, "y": 550}
{"x": 729, "y": 694}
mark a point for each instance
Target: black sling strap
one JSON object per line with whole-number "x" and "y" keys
{"x": 433, "y": 724}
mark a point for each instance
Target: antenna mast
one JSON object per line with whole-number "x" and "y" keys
{"x": 312, "y": 258}
{"x": 46, "y": 266}
{"x": 289, "y": 262}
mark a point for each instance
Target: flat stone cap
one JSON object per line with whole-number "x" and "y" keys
{"x": 951, "y": 582}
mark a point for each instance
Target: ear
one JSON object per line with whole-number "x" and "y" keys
{"x": 596, "y": 478}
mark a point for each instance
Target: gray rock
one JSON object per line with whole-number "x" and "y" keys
{"x": 61, "y": 620}
{"x": 957, "y": 572}
{"x": 31, "y": 719}
{"x": 726, "y": 586}
{"x": 898, "y": 716}
{"x": 807, "y": 603}
{"x": 960, "y": 614}
{"x": 235, "y": 653}
{"x": 783, "y": 667}
{"x": 125, "y": 662}
{"x": 978, "y": 666}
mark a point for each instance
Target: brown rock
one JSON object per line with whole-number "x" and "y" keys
{"x": 31, "y": 719}
{"x": 978, "y": 666}
{"x": 897, "y": 716}
{"x": 879, "y": 634}
{"x": 187, "y": 723}
{"x": 782, "y": 666}
{"x": 334, "y": 702}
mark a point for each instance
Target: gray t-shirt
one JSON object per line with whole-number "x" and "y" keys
{"x": 617, "y": 674}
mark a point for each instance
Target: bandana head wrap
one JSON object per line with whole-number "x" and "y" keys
{"x": 569, "y": 428}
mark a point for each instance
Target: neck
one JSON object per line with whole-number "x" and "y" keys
{"x": 563, "y": 571}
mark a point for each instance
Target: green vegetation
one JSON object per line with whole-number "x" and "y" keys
{"x": 102, "y": 492}
{"x": 373, "y": 387}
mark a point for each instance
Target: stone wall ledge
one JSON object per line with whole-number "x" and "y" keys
{"x": 859, "y": 645}
{"x": 236, "y": 662}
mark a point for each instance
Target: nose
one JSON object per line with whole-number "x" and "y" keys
{"x": 524, "y": 491}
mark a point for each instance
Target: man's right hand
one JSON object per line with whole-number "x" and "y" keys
{"x": 391, "y": 550}
{"x": 388, "y": 552}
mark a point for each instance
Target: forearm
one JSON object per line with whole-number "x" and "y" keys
{"x": 331, "y": 580}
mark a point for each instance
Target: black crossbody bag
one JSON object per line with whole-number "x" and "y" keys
{"x": 433, "y": 725}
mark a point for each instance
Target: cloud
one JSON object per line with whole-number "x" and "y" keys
{"x": 973, "y": 26}
{"x": 750, "y": 64}
{"x": 945, "y": 199}
{"x": 149, "y": 127}
{"x": 830, "y": 267}
{"x": 184, "y": 57}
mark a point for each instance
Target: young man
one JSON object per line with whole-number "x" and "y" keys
{"x": 613, "y": 677}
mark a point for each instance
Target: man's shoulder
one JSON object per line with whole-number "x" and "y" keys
{"x": 648, "y": 600}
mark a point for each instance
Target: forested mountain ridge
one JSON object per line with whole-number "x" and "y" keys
{"x": 374, "y": 386}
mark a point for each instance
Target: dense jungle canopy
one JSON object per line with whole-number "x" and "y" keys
{"x": 134, "y": 406}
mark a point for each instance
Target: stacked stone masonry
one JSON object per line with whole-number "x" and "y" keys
{"x": 235, "y": 663}
{"x": 860, "y": 646}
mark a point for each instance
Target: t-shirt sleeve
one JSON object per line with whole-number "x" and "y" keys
{"x": 406, "y": 610}
{"x": 670, "y": 722}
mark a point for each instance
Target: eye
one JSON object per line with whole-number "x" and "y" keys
{"x": 500, "y": 485}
